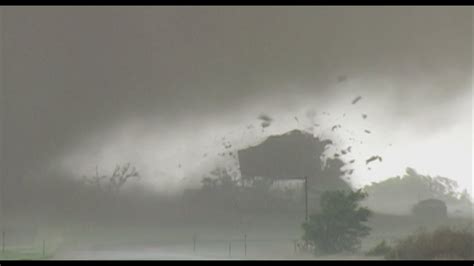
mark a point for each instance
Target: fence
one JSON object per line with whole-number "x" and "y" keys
{"x": 248, "y": 247}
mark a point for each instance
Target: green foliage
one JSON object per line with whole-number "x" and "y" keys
{"x": 443, "y": 243}
{"x": 380, "y": 249}
{"x": 340, "y": 224}
{"x": 23, "y": 255}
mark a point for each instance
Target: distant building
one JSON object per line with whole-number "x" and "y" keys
{"x": 430, "y": 208}
{"x": 293, "y": 155}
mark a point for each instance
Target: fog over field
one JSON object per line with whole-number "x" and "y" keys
{"x": 125, "y": 130}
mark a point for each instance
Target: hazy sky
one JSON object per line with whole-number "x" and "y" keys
{"x": 161, "y": 86}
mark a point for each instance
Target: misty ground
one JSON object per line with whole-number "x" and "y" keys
{"x": 269, "y": 237}
{"x": 266, "y": 239}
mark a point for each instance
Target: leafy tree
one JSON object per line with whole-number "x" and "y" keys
{"x": 115, "y": 181}
{"x": 340, "y": 223}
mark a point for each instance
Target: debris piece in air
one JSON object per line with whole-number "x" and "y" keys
{"x": 367, "y": 131}
{"x": 373, "y": 158}
{"x": 351, "y": 171}
{"x": 341, "y": 78}
{"x": 266, "y": 120}
{"x": 343, "y": 152}
{"x": 265, "y": 124}
{"x": 336, "y": 126}
{"x": 364, "y": 116}
{"x": 349, "y": 149}
{"x": 265, "y": 117}
{"x": 336, "y": 155}
{"x": 356, "y": 99}
{"x": 296, "y": 118}
{"x": 352, "y": 161}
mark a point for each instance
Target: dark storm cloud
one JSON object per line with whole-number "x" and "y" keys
{"x": 72, "y": 71}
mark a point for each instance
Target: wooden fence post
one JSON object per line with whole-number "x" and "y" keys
{"x": 245, "y": 245}
{"x": 3, "y": 241}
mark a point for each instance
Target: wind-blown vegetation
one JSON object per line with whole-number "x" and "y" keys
{"x": 340, "y": 224}
{"x": 442, "y": 243}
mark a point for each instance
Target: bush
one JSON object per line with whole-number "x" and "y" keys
{"x": 339, "y": 226}
{"x": 443, "y": 243}
{"x": 381, "y": 249}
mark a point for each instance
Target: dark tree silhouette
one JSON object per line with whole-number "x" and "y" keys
{"x": 340, "y": 223}
{"x": 120, "y": 175}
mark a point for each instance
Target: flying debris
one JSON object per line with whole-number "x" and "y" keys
{"x": 336, "y": 126}
{"x": 230, "y": 153}
{"x": 349, "y": 149}
{"x": 364, "y": 116}
{"x": 343, "y": 152}
{"x": 356, "y": 99}
{"x": 341, "y": 78}
{"x": 266, "y": 120}
{"x": 227, "y": 145}
{"x": 296, "y": 118}
{"x": 336, "y": 155}
{"x": 351, "y": 161}
{"x": 351, "y": 171}
{"x": 367, "y": 131}
{"x": 373, "y": 158}
{"x": 265, "y": 124}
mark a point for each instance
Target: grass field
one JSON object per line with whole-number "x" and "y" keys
{"x": 23, "y": 254}
{"x": 267, "y": 238}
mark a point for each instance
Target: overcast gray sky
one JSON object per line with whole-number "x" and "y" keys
{"x": 161, "y": 86}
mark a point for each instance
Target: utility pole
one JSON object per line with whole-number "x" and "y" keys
{"x": 306, "y": 197}
{"x": 3, "y": 122}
